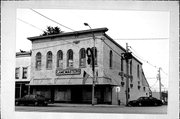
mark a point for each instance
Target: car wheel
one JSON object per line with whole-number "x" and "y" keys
{"x": 128, "y": 105}
{"x": 16, "y": 103}
{"x": 36, "y": 103}
{"x": 140, "y": 104}
{"x": 155, "y": 104}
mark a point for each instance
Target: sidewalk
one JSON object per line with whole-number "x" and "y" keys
{"x": 82, "y": 105}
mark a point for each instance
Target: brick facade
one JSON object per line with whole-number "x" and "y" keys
{"x": 67, "y": 86}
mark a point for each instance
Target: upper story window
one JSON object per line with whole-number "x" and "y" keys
{"x": 38, "y": 61}
{"x": 49, "y": 60}
{"x": 144, "y": 88}
{"x": 131, "y": 67}
{"x": 82, "y": 57}
{"x": 95, "y": 59}
{"x": 24, "y": 73}
{"x": 138, "y": 70}
{"x": 70, "y": 58}
{"x": 110, "y": 59}
{"x": 60, "y": 59}
{"x": 122, "y": 65}
{"x": 17, "y": 73}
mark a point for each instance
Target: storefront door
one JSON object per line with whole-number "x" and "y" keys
{"x": 76, "y": 94}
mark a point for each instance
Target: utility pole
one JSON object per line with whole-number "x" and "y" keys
{"x": 126, "y": 56}
{"x": 159, "y": 76}
{"x": 127, "y": 75}
{"x": 93, "y": 63}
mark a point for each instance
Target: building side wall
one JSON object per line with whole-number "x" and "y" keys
{"x": 116, "y": 79}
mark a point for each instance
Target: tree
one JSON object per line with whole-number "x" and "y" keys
{"x": 51, "y": 30}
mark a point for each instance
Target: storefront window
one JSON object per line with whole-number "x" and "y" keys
{"x": 82, "y": 59}
{"x": 49, "y": 60}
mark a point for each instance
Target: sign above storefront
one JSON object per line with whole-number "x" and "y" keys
{"x": 60, "y": 72}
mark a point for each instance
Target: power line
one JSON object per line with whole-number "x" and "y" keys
{"x": 141, "y": 39}
{"x": 154, "y": 84}
{"x": 148, "y": 61}
{"x": 43, "y": 31}
{"x": 30, "y": 24}
{"x": 143, "y": 59}
{"x": 52, "y": 20}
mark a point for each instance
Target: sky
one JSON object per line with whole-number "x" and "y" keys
{"x": 146, "y": 32}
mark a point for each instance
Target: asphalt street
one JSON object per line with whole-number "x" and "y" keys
{"x": 84, "y": 108}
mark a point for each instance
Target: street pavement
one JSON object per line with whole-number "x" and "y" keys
{"x": 85, "y": 108}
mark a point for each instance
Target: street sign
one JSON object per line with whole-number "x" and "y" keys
{"x": 118, "y": 89}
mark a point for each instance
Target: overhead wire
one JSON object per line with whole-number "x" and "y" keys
{"x": 30, "y": 24}
{"x": 141, "y": 38}
{"x": 52, "y": 20}
{"x": 72, "y": 42}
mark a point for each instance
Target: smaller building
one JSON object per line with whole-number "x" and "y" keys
{"x": 22, "y": 73}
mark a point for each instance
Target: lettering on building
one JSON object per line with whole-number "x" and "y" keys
{"x": 61, "y": 72}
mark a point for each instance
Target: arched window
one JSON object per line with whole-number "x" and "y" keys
{"x": 49, "y": 60}
{"x": 110, "y": 58}
{"x": 82, "y": 57}
{"x": 60, "y": 59}
{"x": 38, "y": 61}
{"x": 70, "y": 58}
{"x": 95, "y": 59}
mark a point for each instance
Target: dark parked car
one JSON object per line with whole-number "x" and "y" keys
{"x": 145, "y": 101}
{"x": 32, "y": 100}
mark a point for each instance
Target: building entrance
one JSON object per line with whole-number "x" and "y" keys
{"x": 76, "y": 94}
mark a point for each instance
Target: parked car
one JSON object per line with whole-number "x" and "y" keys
{"x": 32, "y": 100}
{"x": 145, "y": 101}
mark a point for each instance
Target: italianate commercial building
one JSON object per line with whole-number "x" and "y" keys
{"x": 59, "y": 61}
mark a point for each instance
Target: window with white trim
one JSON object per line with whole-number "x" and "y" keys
{"x": 70, "y": 58}
{"x": 38, "y": 61}
{"x": 60, "y": 59}
{"x": 24, "y": 73}
{"x": 82, "y": 57}
{"x": 49, "y": 60}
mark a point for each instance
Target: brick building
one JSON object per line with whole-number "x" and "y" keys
{"x": 59, "y": 61}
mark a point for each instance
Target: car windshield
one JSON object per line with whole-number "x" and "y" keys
{"x": 29, "y": 96}
{"x": 32, "y": 96}
{"x": 141, "y": 98}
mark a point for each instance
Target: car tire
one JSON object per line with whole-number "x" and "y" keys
{"x": 16, "y": 103}
{"x": 155, "y": 104}
{"x": 36, "y": 103}
{"x": 139, "y": 104}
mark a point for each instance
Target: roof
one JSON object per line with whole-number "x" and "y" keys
{"x": 120, "y": 47}
{"x": 23, "y": 54}
{"x": 75, "y": 33}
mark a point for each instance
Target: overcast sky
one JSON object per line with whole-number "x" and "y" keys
{"x": 151, "y": 27}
